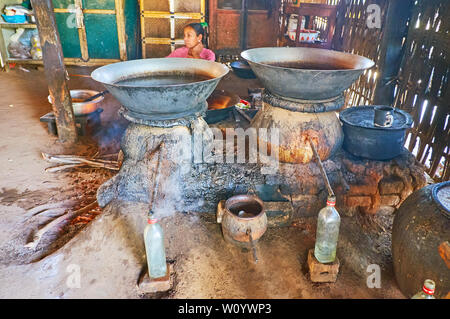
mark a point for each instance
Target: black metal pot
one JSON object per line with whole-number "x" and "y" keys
{"x": 362, "y": 138}
{"x": 242, "y": 69}
{"x": 421, "y": 225}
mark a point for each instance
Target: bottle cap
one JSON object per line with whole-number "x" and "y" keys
{"x": 428, "y": 287}
{"x": 151, "y": 218}
{"x": 331, "y": 201}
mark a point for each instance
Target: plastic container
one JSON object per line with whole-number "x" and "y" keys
{"x": 427, "y": 291}
{"x": 15, "y": 18}
{"x": 327, "y": 233}
{"x": 154, "y": 248}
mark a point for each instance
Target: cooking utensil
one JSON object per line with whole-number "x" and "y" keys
{"x": 362, "y": 138}
{"x": 95, "y": 96}
{"x": 84, "y": 101}
{"x": 383, "y": 116}
{"x": 306, "y": 73}
{"x": 242, "y": 69}
{"x": 235, "y": 226}
{"x": 161, "y": 101}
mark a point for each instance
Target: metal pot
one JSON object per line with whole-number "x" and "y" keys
{"x": 164, "y": 101}
{"x": 362, "y": 138}
{"x": 421, "y": 227}
{"x": 242, "y": 69}
{"x": 238, "y": 227}
{"x": 80, "y": 108}
{"x": 306, "y": 73}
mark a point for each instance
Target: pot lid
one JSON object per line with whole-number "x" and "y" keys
{"x": 362, "y": 116}
{"x": 441, "y": 194}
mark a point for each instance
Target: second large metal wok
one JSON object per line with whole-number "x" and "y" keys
{"x": 150, "y": 100}
{"x": 306, "y": 73}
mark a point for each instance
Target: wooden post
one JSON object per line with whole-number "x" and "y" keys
{"x": 395, "y": 28}
{"x": 120, "y": 20}
{"x": 55, "y": 70}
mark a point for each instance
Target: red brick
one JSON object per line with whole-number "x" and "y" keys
{"x": 322, "y": 272}
{"x": 390, "y": 200}
{"x": 354, "y": 201}
{"x": 390, "y": 186}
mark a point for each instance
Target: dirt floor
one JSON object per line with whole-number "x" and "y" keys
{"x": 205, "y": 266}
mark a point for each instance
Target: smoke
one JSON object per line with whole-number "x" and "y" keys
{"x": 109, "y": 136}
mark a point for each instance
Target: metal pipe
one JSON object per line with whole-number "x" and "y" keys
{"x": 249, "y": 233}
{"x": 156, "y": 179}
{"x": 322, "y": 169}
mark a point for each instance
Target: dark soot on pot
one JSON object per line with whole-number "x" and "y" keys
{"x": 303, "y": 65}
{"x": 250, "y": 209}
{"x": 163, "y": 79}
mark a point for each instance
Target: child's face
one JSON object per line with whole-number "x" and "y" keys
{"x": 191, "y": 39}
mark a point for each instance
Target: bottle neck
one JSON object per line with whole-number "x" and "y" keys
{"x": 152, "y": 221}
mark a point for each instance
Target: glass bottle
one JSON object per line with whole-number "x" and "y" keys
{"x": 154, "y": 248}
{"x": 427, "y": 291}
{"x": 327, "y": 233}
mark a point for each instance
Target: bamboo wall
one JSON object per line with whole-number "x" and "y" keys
{"x": 352, "y": 35}
{"x": 422, "y": 88}
{"x": 421, "y": 82}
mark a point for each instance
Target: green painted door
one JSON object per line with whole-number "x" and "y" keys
{"x": 99, "y": 19}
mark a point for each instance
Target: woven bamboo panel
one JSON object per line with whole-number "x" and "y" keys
{"x": 423, "y": 86}
{"x": 355, "y": 37}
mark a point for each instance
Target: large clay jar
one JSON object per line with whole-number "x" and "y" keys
{"x": 421, "y": 228}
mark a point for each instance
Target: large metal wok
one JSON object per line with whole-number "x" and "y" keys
{"x": 325, "y": 73}
{"x": 161, "y": 102}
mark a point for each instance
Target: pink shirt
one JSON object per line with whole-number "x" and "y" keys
{"x": 206, "y": 54}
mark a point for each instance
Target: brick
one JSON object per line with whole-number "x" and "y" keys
{"x": 278, "y": 213}
{"x": 390, "y": 200}
{"x": 363, "y": 189}
{"x": 147, "y": 285}
{"x": 322, "y": 272}
{"x": 354, "y": 201}
{"x": 389, "y": 186}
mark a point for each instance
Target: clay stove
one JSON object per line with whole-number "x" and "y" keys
{"x": 300, "y": 103}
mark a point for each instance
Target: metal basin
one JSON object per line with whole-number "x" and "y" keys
{"x": 165, "y": 101}
{"x": 306, "y": 73}
{"x": 81, "y": 108}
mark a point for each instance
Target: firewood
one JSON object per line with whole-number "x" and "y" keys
{"x": 41, "y": 232}
{"x": 42, "y": 208}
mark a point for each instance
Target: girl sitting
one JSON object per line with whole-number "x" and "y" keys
{"x": 193, "y": 37}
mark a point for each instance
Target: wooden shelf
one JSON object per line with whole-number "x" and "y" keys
{"x": 17, "y": 25}
{"x": 25, "y": 61}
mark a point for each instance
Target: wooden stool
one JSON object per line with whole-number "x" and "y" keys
{"x": 81, "y": 121}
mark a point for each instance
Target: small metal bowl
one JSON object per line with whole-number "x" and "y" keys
{"x": 80, "y": 108}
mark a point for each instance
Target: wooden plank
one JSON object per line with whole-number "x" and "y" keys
{"x": 168, "y": 15}
{"x": 143, "y": 50}
{"x": 82, "y": 33}
{"x": 120, "y": 19}
{"x": 55, "y": 70}
{"x": 18, "y": 25}
{"x": 3, "y": 51}
{"x": 92, "y": 11}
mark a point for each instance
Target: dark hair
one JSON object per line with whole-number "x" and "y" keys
{"x": 198, "y": 28}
